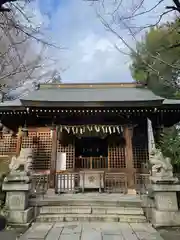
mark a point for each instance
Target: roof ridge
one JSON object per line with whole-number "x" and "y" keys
{"x": 90, "y": 85}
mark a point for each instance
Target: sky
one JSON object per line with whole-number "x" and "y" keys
{"x": 88, "y": 53}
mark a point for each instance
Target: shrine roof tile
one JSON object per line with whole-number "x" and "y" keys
{"x": 110, "y": 94}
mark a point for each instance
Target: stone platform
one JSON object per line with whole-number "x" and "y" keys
{"x": 91, "y": 231}
{"x": 52, "y": 199}
{"x": 89, "y": 207}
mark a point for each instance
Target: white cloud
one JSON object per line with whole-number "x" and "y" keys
{"x": 91, "y": 56}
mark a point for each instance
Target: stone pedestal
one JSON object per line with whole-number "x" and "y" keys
{"x": 17, "y": 187}
{"x": 165, "y": 211}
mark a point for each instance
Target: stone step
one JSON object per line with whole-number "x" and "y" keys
{"x": 82, "y": 202}
{"x": 90, "y": 218}
{"x": 90, "y": 209}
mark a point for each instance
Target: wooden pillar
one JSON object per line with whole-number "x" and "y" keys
{"x": 129, "y": 157}
{"x": 53, "y": 158}
{"x": 19, "y": 142}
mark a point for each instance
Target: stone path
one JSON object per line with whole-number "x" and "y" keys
{"x": 170, "y": 233}
{"x": 91, "y": 231}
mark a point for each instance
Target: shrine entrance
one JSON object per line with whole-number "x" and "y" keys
{"x": 91, "y": 153}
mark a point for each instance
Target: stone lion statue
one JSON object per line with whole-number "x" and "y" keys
{"x": 24, "y": 160}
{"x": 161, "y": 166}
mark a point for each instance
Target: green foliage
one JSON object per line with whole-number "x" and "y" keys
{"x": 170, "y": 145}
{"x": 157, "y": 64}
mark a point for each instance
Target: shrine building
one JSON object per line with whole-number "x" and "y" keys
{"x": 87, "y": 136}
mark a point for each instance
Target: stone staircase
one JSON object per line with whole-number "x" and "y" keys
{"x": 92, "y": 210}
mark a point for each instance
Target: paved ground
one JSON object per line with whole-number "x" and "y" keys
{"x": 91, "y": 231}
{"x": 170, "y": 233}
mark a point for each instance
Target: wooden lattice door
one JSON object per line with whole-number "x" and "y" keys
{"x": 39, "y": 139}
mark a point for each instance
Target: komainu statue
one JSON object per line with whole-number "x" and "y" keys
{"x": 23, "y": 162}
{"x": 161, "y": 166}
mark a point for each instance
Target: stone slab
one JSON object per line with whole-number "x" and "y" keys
{"x": 72, "y": 228}
{"x": 127, "y": 232}
{"x": 163, "y": 219}
{"x": 163, "y": 179}
{"x": 142, "y": 227}
{"x": 16, "y": 200}
{"x": 125, "y": 211}
{"x": 74, "y": 236}
{"x": 165, "y": 187}
{"x": 89, "y": 235}
{"x": 54, "y": 233}
{"x": 16, "y": 187}
{"x": 8, "y": 235}
{"x": 170, "y": 233}
{"x": 17, "y": 178}
{"x": 65, "y": 209}
{"x": 166, "y": 201}
{"x": 111, "y": 232}
{"x": 91, "y": 231}
{"x": 112, "y": 237}
{"x": 148, "y": 236}
{"x": 37, "y": 231}
{"x": 117, "y": 210}
{"x": 21, "y": 216}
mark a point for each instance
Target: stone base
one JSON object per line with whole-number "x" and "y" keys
{"x": 166, "y": 201}
{"x": 165, "y": 187}
{"x": 163, "y": 179}
{"x": 17, "y": 200}
{"x": 164, "y": 196}
{"x": 21, "y": 217}
{"x": 12, "y": 187}
{"x": 165, "y": 219}
{"x": 16, "y": 176}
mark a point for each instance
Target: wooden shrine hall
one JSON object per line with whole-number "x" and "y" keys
{"x": 87, "y": 137}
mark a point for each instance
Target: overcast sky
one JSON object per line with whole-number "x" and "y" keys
{"x": 90, "y": 55}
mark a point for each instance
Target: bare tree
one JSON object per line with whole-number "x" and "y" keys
{"x": 23, "y": 55}
{"x": 128, "y": 21}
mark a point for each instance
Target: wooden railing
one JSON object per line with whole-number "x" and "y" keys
{"x": 66, "y": 182}
{"x": 91, "y": 162}
{"x": 115, "y": 183}
{"x": 141, "y": 182}
{"x": 70, "y": 182}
